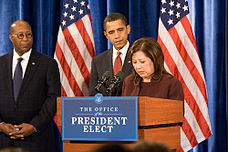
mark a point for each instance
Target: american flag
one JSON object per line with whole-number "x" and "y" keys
{"x": 75, "y": 48}
{"x": 182, "y": 60}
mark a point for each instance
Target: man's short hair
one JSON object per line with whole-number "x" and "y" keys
{"x": 113, "y": 17}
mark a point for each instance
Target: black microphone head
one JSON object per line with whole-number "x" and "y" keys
{"x": 119, "y": 75}
{"x": 102, "y": 81}
{"x": 107, "y": 74}
{"x": 115, "y": 81}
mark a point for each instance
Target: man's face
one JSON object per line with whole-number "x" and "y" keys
{"x": 117, "y": 33}
{"x": 21, "y": 37}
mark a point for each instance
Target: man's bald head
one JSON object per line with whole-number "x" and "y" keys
{"x": 17, "y": 23}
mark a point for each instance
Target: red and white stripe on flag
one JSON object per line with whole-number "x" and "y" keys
{"x": 182, "y": 60}
{"x": 75, "y": 48}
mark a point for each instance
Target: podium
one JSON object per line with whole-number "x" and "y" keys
{"x": 159, "y": 120}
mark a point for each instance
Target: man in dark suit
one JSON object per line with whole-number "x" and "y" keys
{"x": 27, "y": 108}
{"x": 116, "y": 29}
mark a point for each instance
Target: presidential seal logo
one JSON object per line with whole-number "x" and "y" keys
{"x": 98, "y": 98}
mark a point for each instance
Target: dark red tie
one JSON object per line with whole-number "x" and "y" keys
{"x": 117, "y": 64}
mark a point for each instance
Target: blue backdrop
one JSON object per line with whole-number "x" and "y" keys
{"x": 209, "y": 20}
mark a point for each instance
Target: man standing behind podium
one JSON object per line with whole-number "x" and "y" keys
{"x": 29, "y": 85}
{"x": 116, "y": 29}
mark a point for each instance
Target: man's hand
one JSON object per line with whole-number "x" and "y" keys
{"x": 7, "y": 128}
{"x": 22, "y": 131}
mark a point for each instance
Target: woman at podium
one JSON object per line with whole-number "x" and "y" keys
{"x": 149, "y": 77}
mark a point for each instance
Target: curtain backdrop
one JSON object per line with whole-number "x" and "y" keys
{"x": 209, "y": 20}
{"x": 42, "y": 15}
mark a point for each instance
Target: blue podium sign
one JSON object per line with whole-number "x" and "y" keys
{"x": 100, "y": 118}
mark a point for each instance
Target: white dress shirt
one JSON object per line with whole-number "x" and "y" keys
{"x": 24, "y": 62}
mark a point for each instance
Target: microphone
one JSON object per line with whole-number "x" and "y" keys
{"x": 115, "y": 81}
{"x": 103, "y": 80}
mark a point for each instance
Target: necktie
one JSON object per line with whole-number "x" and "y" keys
{"x": 117, "y": 64}
{"x": 17, "y": 78}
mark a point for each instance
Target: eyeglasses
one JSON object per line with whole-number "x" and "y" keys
{"x": 21, "y": 35}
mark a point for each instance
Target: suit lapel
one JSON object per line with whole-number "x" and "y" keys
{"x": 9, "y": 72}
{"x": 110, "y": 58}
{"x": 9, "y": 64}
{"x": 30, "y": 70}
{"x": 126, "y": 65}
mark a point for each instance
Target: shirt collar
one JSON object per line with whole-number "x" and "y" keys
{"x": 123, "y": 50}
{"x": 25, "y": 56}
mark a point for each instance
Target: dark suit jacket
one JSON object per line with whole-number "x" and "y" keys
{"x": 36, "y": 102}
{"x": 102, "y": 63}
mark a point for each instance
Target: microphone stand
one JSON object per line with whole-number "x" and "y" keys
{"x": 111, "y": 91}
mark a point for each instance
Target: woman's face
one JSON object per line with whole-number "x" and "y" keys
{"x": 143, "y": 65}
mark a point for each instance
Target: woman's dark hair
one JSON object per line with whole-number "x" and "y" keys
{"x": 153, "y": 50}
